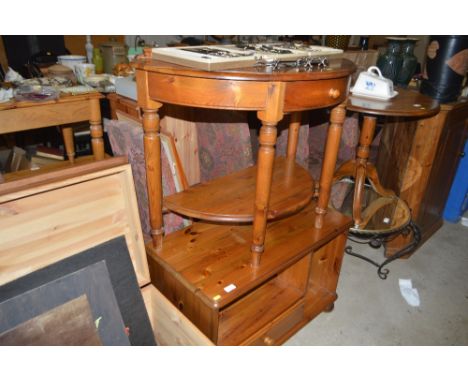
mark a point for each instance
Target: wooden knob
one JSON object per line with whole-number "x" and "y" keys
{"x": 334, "y": 93}
{"x": 180, "y": 304}
{"x": 268, "y": 341}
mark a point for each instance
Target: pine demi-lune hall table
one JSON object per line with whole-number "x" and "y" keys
{"x": 263, "y": 255}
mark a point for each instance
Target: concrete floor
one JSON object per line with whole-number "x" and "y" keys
{"x": 371, "y": 311}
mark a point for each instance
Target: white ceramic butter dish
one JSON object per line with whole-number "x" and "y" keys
{"x": 372, "y": 84}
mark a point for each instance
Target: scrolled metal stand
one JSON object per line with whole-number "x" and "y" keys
{"x": 376, "y": 241}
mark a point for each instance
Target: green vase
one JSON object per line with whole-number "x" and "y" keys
{"x": 390, "y": 62}
{"x": 98, "y": 61}
{"x": 409, "y": 63}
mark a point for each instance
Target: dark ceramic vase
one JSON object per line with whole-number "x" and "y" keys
{"x": 390, "y": 62}
{"x": 409, "y": 63}
{"x": 445, "y": 69}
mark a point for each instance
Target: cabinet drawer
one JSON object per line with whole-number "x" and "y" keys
{"x": 264, "y": 305}
{"x": 300, "y": 96}
{"x": 274, "y": 333}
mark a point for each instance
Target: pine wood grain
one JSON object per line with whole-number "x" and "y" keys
{"x": 280, "y": 329}
{"x": 270, "y": 300}
{"x": 22, "y": 181}
{"x": 179, "y": 123}
{"x": 270, "y": 93}
{"x": 408, "y": 103}
{"x": 169, "y": 325}
{"x": 337, "y": 68}
{"x": 213, "y": 273}
{"x": 50, "y": 221}
{"x": 292, "y": 189}
{"x": 196, "y": 265}
{"x": 332, "y": 145}
{"x": 176, "y": 121}
{"x": 27, "y": 116}
{"x": 208, "y": 257}
{"x": 418, "y": 160}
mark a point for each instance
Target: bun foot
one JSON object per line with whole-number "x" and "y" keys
{"x": 330, "y": 308}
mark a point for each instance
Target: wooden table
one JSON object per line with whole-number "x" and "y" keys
{"x": 377, "y": 212}
{"x": 212, "y": 271}
{"x": 408, "y": 104}
{"x": 272, "y": 95}
{"x": 24, "y": 115}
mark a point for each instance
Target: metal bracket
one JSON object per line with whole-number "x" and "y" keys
{"x": 377, "y": 240}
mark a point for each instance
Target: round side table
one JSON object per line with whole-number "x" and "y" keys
{"x": 378, "y": 214}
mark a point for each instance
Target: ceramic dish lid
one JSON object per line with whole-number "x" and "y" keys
{"x": 373, "y": 84}
{"x": 71, "y": 57}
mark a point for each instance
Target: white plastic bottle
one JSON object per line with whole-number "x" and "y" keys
{"x": 89, "y": 49}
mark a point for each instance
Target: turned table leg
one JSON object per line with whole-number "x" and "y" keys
{"x": 266, "y": 157}
{"x": 362, "y": 155}
{"x": 69, "y": 143}
{"x": 337, "y": 118}
{"x": 270, "y": 117}
{"x": 152, "y": 147}
{"x": 361, "y": 170}
{"x": 95, "y": 121}
{"x": 293, "y": 135}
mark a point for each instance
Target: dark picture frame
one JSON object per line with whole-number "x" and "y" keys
{"x": 122, "y": 278}
{"x": 92, "y": 281}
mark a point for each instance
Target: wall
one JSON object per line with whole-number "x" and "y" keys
{"x": 164, "y": 40}
{"x": 160, "y": 40}
{"x": 76, "y": 43}
{"x": 3, "y": 58}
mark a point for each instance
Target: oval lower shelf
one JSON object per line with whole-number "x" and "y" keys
{"x": 380, "y": 215}
{"x": 231, "y": 198}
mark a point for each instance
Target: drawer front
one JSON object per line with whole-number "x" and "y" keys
{"x": 302, "y": 95}
{"x": 274, "y": 334}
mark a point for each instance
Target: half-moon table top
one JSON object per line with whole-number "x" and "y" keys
{"x": 288, "y": 89}
{"x": 336, "y": 68}
{"x": 408, "y": 103}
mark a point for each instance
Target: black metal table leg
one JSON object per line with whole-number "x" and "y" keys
{"x": 377, "y": 240}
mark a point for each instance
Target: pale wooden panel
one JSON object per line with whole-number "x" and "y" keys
{"x": 178, "y": 123}
{"x": 170, "y": 326}
{"x": 181, "y": 137}
{"x": 51, "y": 222}
{"x": 26, "y": 183}
{"x": 134, "y": 238}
